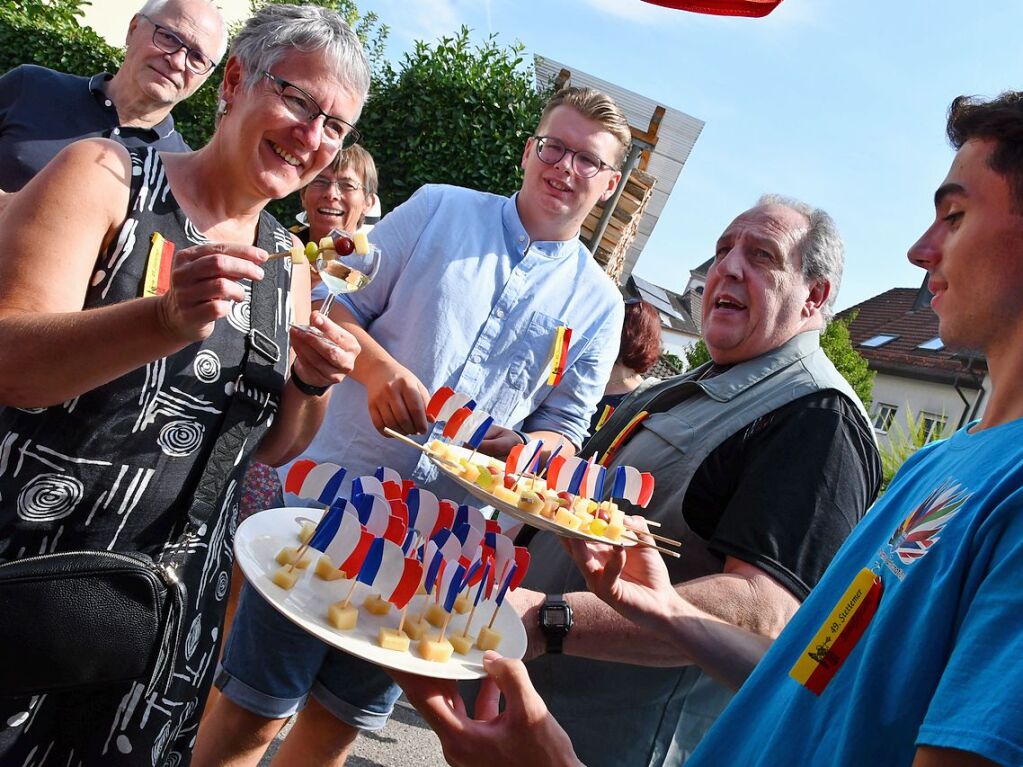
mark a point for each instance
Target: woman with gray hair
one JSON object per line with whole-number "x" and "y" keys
{"x": 140, "y": 319}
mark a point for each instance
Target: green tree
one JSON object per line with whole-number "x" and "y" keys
{"x": 838, "y": 346}
{"x": 452, "y": 113}
{"x": 903, "y": 442}
{"x": 50, "y": 34}
{"x": 836, "y": 343}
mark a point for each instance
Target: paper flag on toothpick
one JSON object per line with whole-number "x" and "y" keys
{"x": 443, "y": 547}
{"x": 387, "y": 474}
{"x": 367, "y": 485}
{"x": 445, "y": 402}
{"x": 471, "y": 539}
{"x": 476, "y": 438}
{"x": 456, "y": 421}
{"x": 451, "y": 584}
{"x": 632, "y": 485}
{"x": 563, "y": 471}
{"x": 319, "y": 481}
{"x": 521, "y": 458}
{"x": 505, "y": 585}
{"x": 504, "y": 556}
{"x": 521, "y": 566}
{"x": 371, "y": 564}
{"x": 445, "y": 516}
{"x": 592, "y": 485}
{"x": 469, "y": 425}
{"x": 342, "y": 538}
{"x": 374, "y": 513}
{"x": 423, "y": 509}
{"x": 398, "y": 577}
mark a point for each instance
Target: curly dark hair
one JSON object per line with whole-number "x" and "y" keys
{"x": 641, "y": 336}
{"x": 999, "y": 120}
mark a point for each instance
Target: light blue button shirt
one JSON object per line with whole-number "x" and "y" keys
{"x": 464, "y": 299}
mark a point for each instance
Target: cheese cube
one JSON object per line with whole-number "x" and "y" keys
{"x": 614, "y": 531}
{"x": 377, "y": 605}
{"x": 326, "y": 571}
{"x": 361, "y": 242}
{"x": 341, "y": 617}
{"x": 289, "y": 554}
{"x": 531, "y": 502}
{"x": 470, "y": 471}
{"x": 505, "y": 494}
{"x": 285, "y": 577}
{"x": 567, "y": 519}
{"x": 298, "y": 255}
{"x": 463, "y": 604}
{"x": 488, "y": 639}
{"x": 461, "y": 643}
{"x": 435, "y": 649}
{"x": 436, "y": 615}
{"x": 326, "y": 243}
{"x": 306, "y": 532}
{"x": 392, "y": 639}
{"x": 416, "y": 629}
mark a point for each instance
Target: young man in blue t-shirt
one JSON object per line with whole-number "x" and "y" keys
{"x": 907, "y": 652}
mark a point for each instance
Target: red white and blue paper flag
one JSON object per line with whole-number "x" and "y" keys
{"x": 350, "y": 542}
{"x": 423, "y": 508}
{"x": 471, "y": 539}
{"x": 387, "y": 474}
{"x": 484, "y": 578}
{"x": 471, "y": 515}
{"x": 456, "y": 421}
{"x": 371, "y": 564}
{"x": 443, "y": 547}
{"x": 505, "y": 585}
{"x": 319, "y": 481}
{"x": 451, "y": 583}
{"x": 561, "y": 471}
{"x": 476, "y": 571}
{"x": 469, "y": 425}
{"x": 399, "y": 509}
{"x": 504, "y": 556}
{"x": 522, "y": 458}
{"x": 632, "y": 485}
{"x": 521, "y": 566}
{"x": 592, "y": 485}
{"x": 328, "y": 526}
{"x": 398, "y": 577}
{"x": 474, "y": 440}
{"x": 374, "y": 513}
{"x": 445, "y": 516}
{"x": 445, "y": 402}
{"x": 367, "y": 485}
{"x": 411, "y": 536}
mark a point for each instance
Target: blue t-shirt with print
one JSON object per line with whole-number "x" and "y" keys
{"x": 940, "y": 662}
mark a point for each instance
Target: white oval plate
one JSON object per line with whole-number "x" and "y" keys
{"x": 257, "y": 542}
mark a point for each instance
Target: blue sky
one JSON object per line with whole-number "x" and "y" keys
{"x": 838, "y": 102}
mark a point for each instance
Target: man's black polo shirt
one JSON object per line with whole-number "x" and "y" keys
{"x": 42, "y": 111}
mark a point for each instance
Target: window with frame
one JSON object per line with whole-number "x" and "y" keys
{"x": 883, "y": 416}
{"x": 932, "y": 426}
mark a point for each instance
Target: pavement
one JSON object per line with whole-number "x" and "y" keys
{"x": 406, "y": 741}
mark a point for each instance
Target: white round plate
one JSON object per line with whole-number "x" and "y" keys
{"x": 533, "y": 520}
{"x": 257, "y": 542}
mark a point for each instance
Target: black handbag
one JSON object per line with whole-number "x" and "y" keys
{"x": 80, "y": 619}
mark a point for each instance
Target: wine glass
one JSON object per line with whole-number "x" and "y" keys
{"x": 346, "y": 263}
{"x": 349, "y": 265}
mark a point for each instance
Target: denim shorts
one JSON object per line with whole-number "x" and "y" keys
{"x": 271, "y": 666}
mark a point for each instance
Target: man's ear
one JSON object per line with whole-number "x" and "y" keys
{"x": 612, "y": 184}
{"x": 525, "y": 152}
{"x": 132, "y": 25}
{"x": 820, "y": 292}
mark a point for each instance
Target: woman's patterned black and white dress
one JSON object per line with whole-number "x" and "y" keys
{"x": 115, "y": 469}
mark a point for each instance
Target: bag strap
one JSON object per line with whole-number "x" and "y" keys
{"x": 256, "y": 390}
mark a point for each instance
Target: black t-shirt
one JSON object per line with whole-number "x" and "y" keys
{"x": 783, "y": 493}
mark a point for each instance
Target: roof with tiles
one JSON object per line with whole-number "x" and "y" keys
{"x": 905, "y": 314}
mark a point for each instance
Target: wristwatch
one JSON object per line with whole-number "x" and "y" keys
{"x": 555, "y": 621}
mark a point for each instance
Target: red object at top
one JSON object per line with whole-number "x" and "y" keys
{"x": 721, "y": 7}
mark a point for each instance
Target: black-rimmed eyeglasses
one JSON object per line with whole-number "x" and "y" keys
{"x": 585, "y": 164}
{"x": 304, "y": 107}
{"x": 168, "y": 42}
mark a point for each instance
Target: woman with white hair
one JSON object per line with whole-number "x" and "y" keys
{"x": 145, "y": 359}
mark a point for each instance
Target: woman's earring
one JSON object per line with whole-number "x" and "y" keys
{"x": 222, "y": 108}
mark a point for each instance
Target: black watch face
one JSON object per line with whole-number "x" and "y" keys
{"x": 556, "y": 618}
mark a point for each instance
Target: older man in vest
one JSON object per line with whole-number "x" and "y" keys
{"x": 764, "y": 460}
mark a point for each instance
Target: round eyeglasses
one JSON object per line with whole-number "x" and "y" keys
{"x": 302, "y": 106}
{"x": 168, "y": 42}
{"x": 585, "y": 164}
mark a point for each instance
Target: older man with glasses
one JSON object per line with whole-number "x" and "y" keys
{"x": 171, "y": 48}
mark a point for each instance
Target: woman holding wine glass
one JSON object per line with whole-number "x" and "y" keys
{"x": 138, "y": 311}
